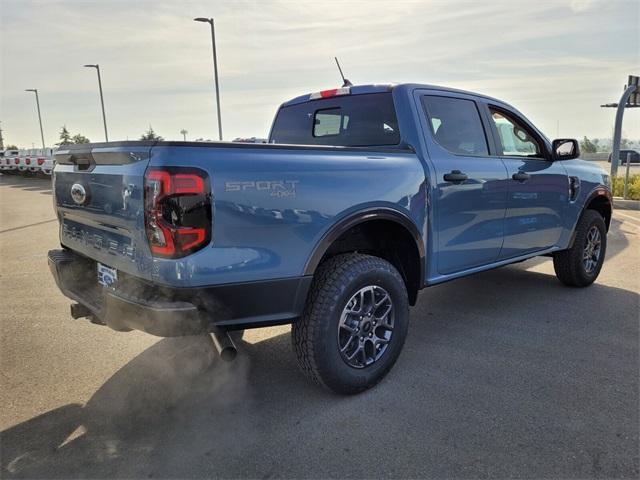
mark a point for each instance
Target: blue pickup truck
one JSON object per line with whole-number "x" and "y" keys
{"x": 363, "y": 196}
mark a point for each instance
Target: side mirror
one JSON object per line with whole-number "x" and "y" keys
{"x": 565, "y": 148}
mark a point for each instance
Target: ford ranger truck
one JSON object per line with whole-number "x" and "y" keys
{"x": 363, "y": 196}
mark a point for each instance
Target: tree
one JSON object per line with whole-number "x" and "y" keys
{"x": 65, "y": 137}
{"x": 11, "y": 147}
{"x": 150, "y": 135}
{"x": 79, "y": 138}
{"x": 587, "y": 146}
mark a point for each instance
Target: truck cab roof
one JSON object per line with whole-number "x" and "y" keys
{"x": 387, "y": 87}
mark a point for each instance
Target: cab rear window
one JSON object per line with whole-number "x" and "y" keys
{"x": 352, "y": 121}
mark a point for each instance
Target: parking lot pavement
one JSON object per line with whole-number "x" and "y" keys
{"x": 504, "y": 374}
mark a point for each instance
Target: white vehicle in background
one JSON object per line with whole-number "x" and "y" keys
{"x": 24, "y": 160}
{"x": 46, "y": 162}
{"x": 33, "y": 160}
{"x": 10, "y": 160}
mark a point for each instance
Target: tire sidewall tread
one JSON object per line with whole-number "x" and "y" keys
{"x": 568, "y": 263}
{"x": 314, "y": 336}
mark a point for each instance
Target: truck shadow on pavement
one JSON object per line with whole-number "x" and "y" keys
{"x": 503, "y": 374}
{"x": 31, "y": 183}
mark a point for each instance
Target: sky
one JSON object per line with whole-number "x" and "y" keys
{"x": 556, "y": 61}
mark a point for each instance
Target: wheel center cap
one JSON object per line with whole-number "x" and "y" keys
{"x": 366, "y": 326}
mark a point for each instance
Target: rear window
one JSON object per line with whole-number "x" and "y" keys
{"x": 352, "y": 121}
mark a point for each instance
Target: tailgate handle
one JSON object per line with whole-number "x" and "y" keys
{"x": 82, "y": 162}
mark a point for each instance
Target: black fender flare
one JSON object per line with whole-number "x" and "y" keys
{"x": 599, "y": 191}
{"x": 362, "y": 216}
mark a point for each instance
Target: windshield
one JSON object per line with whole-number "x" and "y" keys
{"x": 350, "y": 120}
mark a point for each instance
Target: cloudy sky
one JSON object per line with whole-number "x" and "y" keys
{"x": 556, "y": 60}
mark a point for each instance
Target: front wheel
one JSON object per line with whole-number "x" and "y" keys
{"x": 354, "y": 323}
{"x": 580, "y": 265}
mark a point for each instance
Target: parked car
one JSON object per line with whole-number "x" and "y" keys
{"x": 24, "y": 163}
{"x": 363, "y": 196}
{"x": 635, "y": 157}
{"x": 10, "y": 161}
{"x": 35, "y": 161}
{"x": 45, "y": 161}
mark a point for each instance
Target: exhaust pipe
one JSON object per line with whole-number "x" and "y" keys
{"x": 224, "y": 345}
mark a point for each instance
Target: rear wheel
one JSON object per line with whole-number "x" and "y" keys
{"x": 580, "y": 265}
{"x": 354, "y": 323}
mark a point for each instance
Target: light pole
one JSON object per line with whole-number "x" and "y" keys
{"x": 215, "y": 69}
{"x": 183, "y": 132}
{"x": 631, "y": 92}
{"x": 35, "y": 90}
{"x": 104, "y": 118}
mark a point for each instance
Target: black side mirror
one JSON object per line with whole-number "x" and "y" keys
{"x": 565, "y": 148}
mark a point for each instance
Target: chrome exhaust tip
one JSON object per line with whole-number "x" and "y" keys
{"x": 224, "y": 345}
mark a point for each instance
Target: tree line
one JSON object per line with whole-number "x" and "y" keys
{"x": 593, "y": 146}
{"x": 67, "y": 139}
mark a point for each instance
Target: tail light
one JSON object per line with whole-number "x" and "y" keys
{"x": 16, "y": 161}
{"x": 27, "y": 161}
{"x": 41, "y": 161}
{"x": 177, "y": 211}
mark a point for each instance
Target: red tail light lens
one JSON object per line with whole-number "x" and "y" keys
{"x": 16, "y": 161}
{"x": 27, "y": 161}
{"x": 177, "y": 211}
{"x": 41, "y": 161}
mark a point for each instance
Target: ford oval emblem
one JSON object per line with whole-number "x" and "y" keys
{"x": 78, "y": 193}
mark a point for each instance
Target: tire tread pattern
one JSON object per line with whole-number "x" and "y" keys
{"x": 330, "y": 281}
{"x": 568, "y": 263}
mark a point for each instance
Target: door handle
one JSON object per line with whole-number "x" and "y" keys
{"x": 456, "y": 176}
{"x": 521, "y": 177}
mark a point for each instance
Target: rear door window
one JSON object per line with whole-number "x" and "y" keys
{"x": 350, "y": 120}
{"x": 455, "y": 124}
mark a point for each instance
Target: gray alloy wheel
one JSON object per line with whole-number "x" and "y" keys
{"x": 366, "y": 327}
{"x": 592, "y": 250}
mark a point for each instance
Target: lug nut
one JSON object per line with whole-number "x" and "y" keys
{"x": 370, "y": 334}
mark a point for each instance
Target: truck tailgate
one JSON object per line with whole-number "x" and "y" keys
{"x": 99, "y": 199}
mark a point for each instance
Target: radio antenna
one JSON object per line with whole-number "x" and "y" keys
{"x": 346, "y": 83}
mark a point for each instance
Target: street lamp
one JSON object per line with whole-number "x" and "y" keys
{"x": 184, "y": 132}
{"x": 104, "y": 118}
{"x": 630, "y": 99}
{"x": 35, "y": 90}
{"x": 215, "y": 69}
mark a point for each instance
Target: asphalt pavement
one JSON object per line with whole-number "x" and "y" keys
{"x": 504, "y": 374}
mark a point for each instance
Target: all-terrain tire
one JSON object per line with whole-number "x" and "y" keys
{"x": 569, "y": 264}
{"x": 315, "y": 336}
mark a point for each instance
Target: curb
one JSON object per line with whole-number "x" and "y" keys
{"x": 620, "y": 203}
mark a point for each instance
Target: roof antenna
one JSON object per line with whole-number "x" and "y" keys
{"x": 346, "y": 83}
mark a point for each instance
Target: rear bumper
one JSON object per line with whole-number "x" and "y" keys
{"x": 168, "y": 312}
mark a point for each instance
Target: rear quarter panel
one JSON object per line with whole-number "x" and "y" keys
{"x": 273, "y": 204}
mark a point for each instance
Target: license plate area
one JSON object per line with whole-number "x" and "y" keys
{"x": 107, "y": 276}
